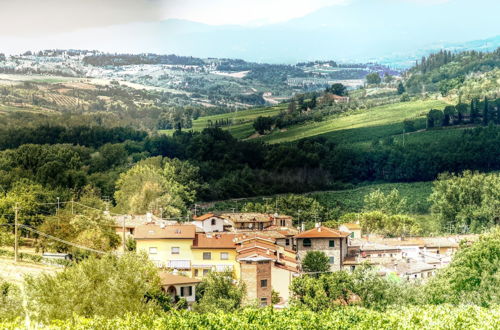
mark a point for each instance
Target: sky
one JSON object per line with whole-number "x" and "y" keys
{"x": 255, "y": 30}
{"x": 38, "y": 18}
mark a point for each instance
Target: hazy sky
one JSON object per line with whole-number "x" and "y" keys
{"x": 34, "y": 18}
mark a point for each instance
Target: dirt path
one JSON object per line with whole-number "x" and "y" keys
{"x": 15, "y": 272}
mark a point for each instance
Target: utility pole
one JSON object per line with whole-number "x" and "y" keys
{"x": 16, "y": 247}
{"x": 72, "y": 206}
{"x": 57, "y": 204}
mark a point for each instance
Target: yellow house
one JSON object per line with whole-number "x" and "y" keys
{"x": 180, "y": 247}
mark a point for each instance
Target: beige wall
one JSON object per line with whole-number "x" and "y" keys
{"x": 281, "y": 280}
{"x": 322, "y": 244}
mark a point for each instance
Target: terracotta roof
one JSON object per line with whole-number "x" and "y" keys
{"x": 205, "y": 217}
{"x": 247, "y": 217}
{"x": 171, "y": 279}
{"x": 322, "y": 232}
{"x": 215, "y": 241}
{"x": 351, "y": 226}
{"x": 152, "y": 230}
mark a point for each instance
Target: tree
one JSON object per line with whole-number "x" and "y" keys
{"x": 337, "y": 89}
{"x": 434, "y": 118}
{"x": 466, "y": 202}
{"x": 263, "y": 124}
{"x": 449, "y": 113}
{"x": 486, "y": 115}
{"x": 401, "y": 88}
{"x": 11, "y": 302}
{"x": 409, "y": 125}
{"x": 107, "y": 287}
{"x": 391, "y": 203}
{"x": 388, "y": 78}
{"x": 218, "y": 291}
{"x": 474, "y": 111}
{"x": 145, "y": 188}
{"x": 472, "y": 276}
{"x": 461, "y": 112}
{"x": 315, "y": 262}
{"x": 373, "y": 78}
{"x": 292, "y": 107}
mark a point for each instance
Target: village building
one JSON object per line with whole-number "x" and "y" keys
{"x": 266, "y": 266}
{"x": 179, "y": 287}
{"x": 179, "y": 247}
{"x": 257, "y": 221}
{"x": 332, "y": 242}
{"x": 353, "y": 229}
{"x": 209, "y": 223}
{"x": 328, "y": 97}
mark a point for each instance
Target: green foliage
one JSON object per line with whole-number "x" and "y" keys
{"x": 373, "y": 78}
{"x": 472, "y": 277}
{"x": 362, "y": 287}
{"x": 401, "y": 88}
{"x": 315, "y": 261}
{"x": 391, "y": 203}
{"x": 434, "y": 118}
{"x": 394, "y": 225}
{"x": 466, "y": 202}
{"x": 337, "y": 89}
{"x": 218, "y": 291}
{"x": 147, "y": 186}
{"x": 263, "y": 124}
{"x": 105, "y": 287}
{"x": 301, "y": 208}
{"x": 11, "y": 304}
{"x": 421, "y": 317}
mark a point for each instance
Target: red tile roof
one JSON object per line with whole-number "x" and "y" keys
{"x": 322, "y": 232}
{"x": 204, "y": 217}
{"x": 171, "y": 279}
{"x": 215, "y": 241}
{"x": 151, "y": 231}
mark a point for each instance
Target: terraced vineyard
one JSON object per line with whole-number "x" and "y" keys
{"x": 364, "y": 125}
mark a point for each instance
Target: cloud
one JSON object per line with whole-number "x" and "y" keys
{"x": 42, "y": 17}
{"x": 243, "y": 12}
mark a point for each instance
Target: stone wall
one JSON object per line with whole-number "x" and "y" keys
{"x": 322, "y": 244}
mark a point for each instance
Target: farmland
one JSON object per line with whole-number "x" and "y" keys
{"x": 364, "y": 125}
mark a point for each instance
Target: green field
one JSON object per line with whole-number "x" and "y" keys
{"x": 242, "y": 120}
{"x": 364, "y": 125}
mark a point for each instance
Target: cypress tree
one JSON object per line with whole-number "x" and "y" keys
{"x": 485, "y": 112}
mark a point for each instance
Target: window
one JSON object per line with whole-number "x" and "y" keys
{"x": 213, "y": 222}
{"x": 306, "y": 242}
{"x": 287, "y": 242}
{"x": 207, "y": 256}
{"x": 332, "y": 260}
{"x": 331, "y": 243}
{"x": 283, "y": 223}
{"x": 186, "y": 291}
{"x": 196, "y": 273}
{"x": 352, "y": 235}
{"x": 153, "y": 250}
{"x": 176, "y": 250}
{"x": 224, "y": 256}
{"x": 205, "y": 272}
{"x": 263, "y": 301}
{"x": 263, "y": 283}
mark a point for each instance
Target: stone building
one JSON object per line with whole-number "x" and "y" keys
{"x": 330, "y": 241}
{"x": 256, "y": 274}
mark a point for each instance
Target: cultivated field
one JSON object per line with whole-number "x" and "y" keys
{"x": 364, "y": 125}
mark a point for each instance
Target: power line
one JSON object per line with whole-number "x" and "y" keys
{"x": 61, "y": 240}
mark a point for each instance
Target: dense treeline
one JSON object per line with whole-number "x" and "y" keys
{"x": 130, "y": 59}
{"x": 90, "y": 136}
{"x": 232, "y": 168}
{"x": 445, "y": 71}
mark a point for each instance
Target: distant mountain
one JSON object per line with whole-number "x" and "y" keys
{"x": 389, "y": 31}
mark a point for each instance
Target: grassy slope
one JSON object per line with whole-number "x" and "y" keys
{"x": 362, "y": 126}
{"x": 242, "y": 120}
